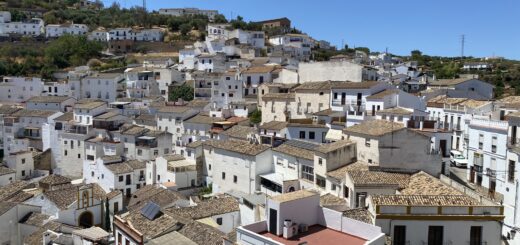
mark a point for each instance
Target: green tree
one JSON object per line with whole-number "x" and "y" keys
{"x": 107, "y": 216}
{"x": 363, "y": 49}
{"x": 183, "y": 92}
{"x": 71, "y": 51}
{"x": 219, "y": 18}
{"x": 185, "y": 28}
{"x": 255, "y": 117}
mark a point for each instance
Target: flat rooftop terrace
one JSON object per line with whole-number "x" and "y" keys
{"x": 318, "y": 234}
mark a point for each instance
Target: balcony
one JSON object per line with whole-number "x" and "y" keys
{"x": 491, "y": 173}
{"x": 31, "y": 133}
{"x": 457, "y": 108}
{"x": 110, "y": 126}
{"x": 77, "y": 129}
{"x": 146, "y": 143}
{"x": 349, "y": 103}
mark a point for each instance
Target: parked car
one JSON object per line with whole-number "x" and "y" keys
{"x": 457, "y": 159}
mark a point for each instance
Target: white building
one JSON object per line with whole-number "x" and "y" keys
{"x": 20, "y": 89}
{"x": 76, "y": 205}
{"x": 32, "y": 27}
{"x": 249, "y": 160}
{"x": 100, "y": 35}
{"x": 284, "y": 221}
{"x": 50, "y": 103}
{"x": 334, "y": 71}
{"x": 487, "y": 154}
{"x": 353, "y": 99}
{"x": 301, "y": 44}
{"x": 175, "y": 169}
{"x": 101, "y": 86}
{"x": 391, "y": 145}
{"x": 189, "y": 12}
{"x": 58, "y": 30}
{"x": 428, "y": 212}
{"x": 7, "y": 175}
{"x": 113, "y": 174}
{"x": 141, "y": 82}
{"x": 22, "y": 162}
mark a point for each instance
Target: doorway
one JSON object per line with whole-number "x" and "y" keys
{"x": 273, "y": 221}
{"x": 86, "y": 219}
{"x": 442, "y": 147}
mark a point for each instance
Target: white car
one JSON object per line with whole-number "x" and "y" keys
{"x": 457, "y": 159}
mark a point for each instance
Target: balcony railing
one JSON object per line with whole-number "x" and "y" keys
{"x": 491, "y": 173}
{"x": 147, "y": 144}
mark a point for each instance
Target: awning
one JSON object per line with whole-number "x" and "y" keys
{"x": 146, "y": 137}
{"x": 334, "y": 135}
{"x": 277, "y": 178}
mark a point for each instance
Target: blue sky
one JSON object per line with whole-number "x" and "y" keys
{"x": 432, "y": 26}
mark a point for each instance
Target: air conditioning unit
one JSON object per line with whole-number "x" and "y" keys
{"x": 289, "y": 229}
{"x": 303, "y": 228}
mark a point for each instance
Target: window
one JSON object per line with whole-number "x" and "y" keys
{"x": 475, "y": 235}
{"x": 312, "y": 135}
{"x": 23, "y": 160}
{"x": 435, "y": 235}
{"x": 23, "y": 172}
{"x": 345, "y": 191}
{"x": 65, "y": 153}
{"x": 139, "y": 152}
{"x": 235, "y": 179}
{"x": 279, "y": 161}
{"x": 302, "y": 134}
{"x": 119, "y": 239}
{"x": 121, "y": 178}
{"x": 209, "y": 166}
{"x": 223, "y": 175}
{"x": 481, "y": 141}
{"x": 219, "y": 221}
{"x": 367, "y": 142}
{"x": 511, "y": 171}
{"x": 79, "y": 156}
{"x": 333, "y": 187}
{"x": 116, "y": 207}
{"x": 320, "y": 181}
{"x": 320, "y": 161}
{"x": 399, "y": 235}
{"x": 92, "y": 173}
{"x": 494, "y": 144}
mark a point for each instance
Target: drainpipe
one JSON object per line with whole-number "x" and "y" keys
{"x": 516, "y": 203}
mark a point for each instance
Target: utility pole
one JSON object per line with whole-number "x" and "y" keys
{"x": 145, "y": 19}
{"x": 462, "y": 41}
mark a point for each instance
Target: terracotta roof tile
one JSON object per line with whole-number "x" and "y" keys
{"x": 374, "y": 128}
